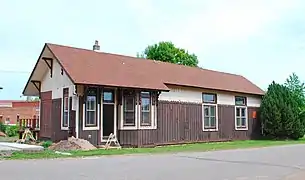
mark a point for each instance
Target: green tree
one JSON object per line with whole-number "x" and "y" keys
{"x": 167, "y": 52}
{"x": 297, "y": 87}
{"x": 280, "y": 113}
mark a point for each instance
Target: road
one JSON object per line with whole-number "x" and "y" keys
{"x": 273, "y": 163}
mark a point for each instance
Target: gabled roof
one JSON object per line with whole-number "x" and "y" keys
{"x": 97, "y": 68}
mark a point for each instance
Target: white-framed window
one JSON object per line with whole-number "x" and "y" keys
{"x": 241, "y": 113}
{"x": 138, "y": 110}
{"x": 65, "y": 109}
{"x": 129, "y": 109}
{"x": 91, "y": 108}
{"x": 145, "y": 118}
{"x": 210, "y": 112}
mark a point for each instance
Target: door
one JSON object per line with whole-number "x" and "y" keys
{"x": 108, "y": 111}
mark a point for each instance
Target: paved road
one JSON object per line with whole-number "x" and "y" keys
{"x": 285, "y": 162}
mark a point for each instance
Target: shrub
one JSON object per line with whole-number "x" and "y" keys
{"x": 46, "y": 144}
{"x": 11, "y": 130}
{"x": 280, "y": 114}
{"x": 2, "y": 127}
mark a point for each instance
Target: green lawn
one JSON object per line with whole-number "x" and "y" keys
{"x": 196, "y": 147}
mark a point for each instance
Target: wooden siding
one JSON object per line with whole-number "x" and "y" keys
{"x": 182, "y": 123}
{"x": 46, "y": 115}
{"x": 57, "y": 133}
{"x": 93, "y": 136}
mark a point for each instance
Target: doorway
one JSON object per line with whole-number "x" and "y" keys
{"x": 109, "y": 113}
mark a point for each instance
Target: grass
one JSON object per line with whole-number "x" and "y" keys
{"x": 8, "y": 139}
{"x": 196, "y": 147}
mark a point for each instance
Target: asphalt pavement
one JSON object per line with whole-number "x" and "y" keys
{"x": 272, "y": 163}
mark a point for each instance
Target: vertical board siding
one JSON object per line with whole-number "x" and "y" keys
{"x": 93, "y": 136}
{"x": 46, "y": 115}
{"x": 57, "y": 133}
{"x": 181, "y": 122}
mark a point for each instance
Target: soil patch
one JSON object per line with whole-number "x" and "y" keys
{"x": 72, "y": 144}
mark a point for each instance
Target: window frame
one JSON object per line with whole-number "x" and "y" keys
{"x": 209, "y": 104}
{"x": 147, "y": 95}
{"x": 245, "y": 101}
{"x": 132, "y": 95}
{"x": 240, "y": 127}
{"x": 89, "y": 93}
{"x": 65, "y": 94}
{"x": 241, "y": 106}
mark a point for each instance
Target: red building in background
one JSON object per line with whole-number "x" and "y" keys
{"x": 9, "y": 109}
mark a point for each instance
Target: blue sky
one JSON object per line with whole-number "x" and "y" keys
{"x": 263, "y": 40}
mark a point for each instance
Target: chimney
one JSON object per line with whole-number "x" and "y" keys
{"x": 96, "y": 47}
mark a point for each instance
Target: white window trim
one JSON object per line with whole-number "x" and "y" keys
{"x": 246, "y": 112}
{"x": 152, "y": 115}
{"x": 97, "y": 118}
{"x": 216, "y": 116}
{"x": 138, "y": 116}
{"x": 122, "y": 127}
{"x": 62, "y": 112}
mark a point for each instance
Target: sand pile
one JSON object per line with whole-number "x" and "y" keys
{"x": 72, "y": 144}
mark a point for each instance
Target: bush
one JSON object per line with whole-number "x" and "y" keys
{"x": 46, "y": 144}
{"x": 11, "y": 130}
{"x": 280, "y": 114}
{"x": 2, "y": 127}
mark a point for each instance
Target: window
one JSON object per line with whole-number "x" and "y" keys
{"x": 145, "y": 109}
{"x": 240, "y": 101}
{"x": 209, "y": 111}
{"x": 241, "y": 117}
{"x": 209, "y": 116}
{"x": 91, "y": 106}
{"x": 129, "y": 110}
{"x": 209, "y": 98}
{"x": 108, "y": 97}
{"x": 65, "y": 107}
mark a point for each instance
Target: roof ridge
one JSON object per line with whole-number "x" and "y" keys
{"x": 136, "y": 58}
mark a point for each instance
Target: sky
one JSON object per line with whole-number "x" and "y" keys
{"x": 263, "y": 40}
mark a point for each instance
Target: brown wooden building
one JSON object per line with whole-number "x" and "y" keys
{"x": 91, "y": 94}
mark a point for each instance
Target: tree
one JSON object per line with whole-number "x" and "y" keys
{"x": 280, "y": 113}
{"x": 167, "y": 52}
{"x": 298, "y": 89}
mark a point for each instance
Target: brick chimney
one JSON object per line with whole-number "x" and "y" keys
{"x": 96, "y": 46}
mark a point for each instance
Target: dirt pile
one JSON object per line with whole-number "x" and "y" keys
{"x": 2, "y": 134}
{"x": 72, "y": 144}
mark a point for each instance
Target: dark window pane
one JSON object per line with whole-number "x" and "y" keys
{"x": 209, "y": 98}
{"x": 213, "y": 121}
{"x": 206, "y": 111}
{"x": 66, "y": 103}
{"x": 240, "y": 100}
{"x": 238, "y": 112}
{"x": 129, "y": 103}
{"x": 206, "y": 122}
{"x": 212, "y": 111}
{"x": 129, "y": 118}
{"x": 238, "y": 121}
{"x": 243, "y": 112}
{"x": 243, "y": 121}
